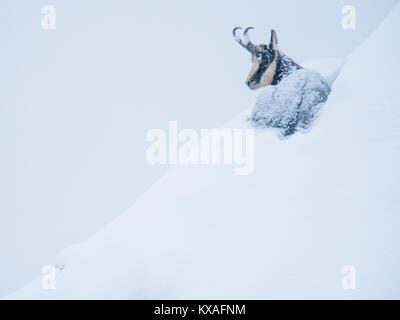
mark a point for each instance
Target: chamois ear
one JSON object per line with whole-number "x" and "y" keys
{"x": 274, "y": 41}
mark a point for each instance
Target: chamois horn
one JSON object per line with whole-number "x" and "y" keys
{"x": 246, "y": 43}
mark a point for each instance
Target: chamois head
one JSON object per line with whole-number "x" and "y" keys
{"x": 264, "y": 59}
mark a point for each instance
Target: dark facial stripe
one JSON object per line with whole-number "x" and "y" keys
{"x": 266, "y": 58}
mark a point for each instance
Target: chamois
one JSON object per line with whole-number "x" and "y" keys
{"x": 270, "y": 65}
{"x": 290, "y": 96}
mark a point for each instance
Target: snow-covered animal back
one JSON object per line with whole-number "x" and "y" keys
{"x": 292, "y": 104}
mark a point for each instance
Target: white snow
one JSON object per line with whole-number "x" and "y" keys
{"x": 316, "y": 202}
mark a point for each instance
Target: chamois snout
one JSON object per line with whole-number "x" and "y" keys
{"x": 251, "y": 85}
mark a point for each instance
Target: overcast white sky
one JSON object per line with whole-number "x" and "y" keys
{"x": 76, "y": 102}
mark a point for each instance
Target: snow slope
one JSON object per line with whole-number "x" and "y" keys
{"x": 315, "y": 202}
